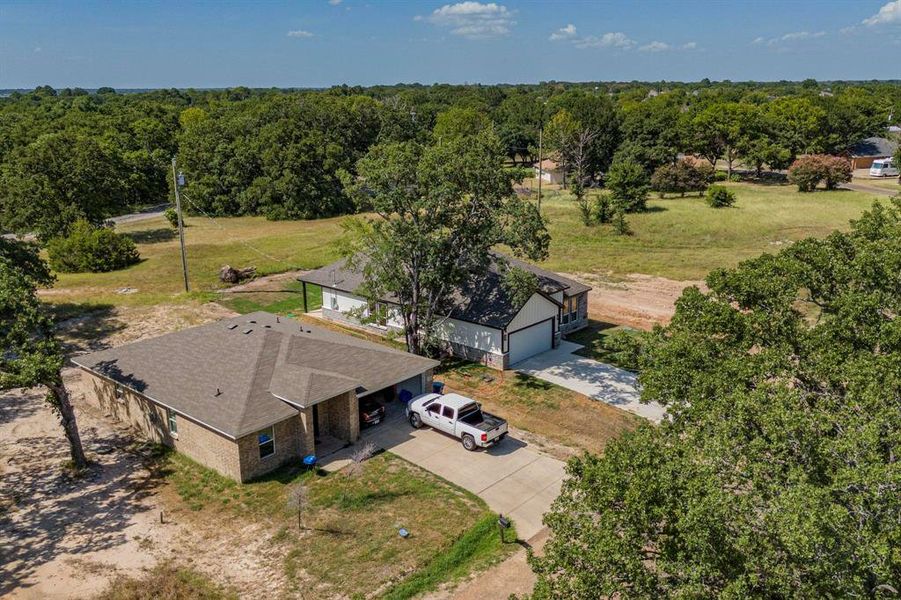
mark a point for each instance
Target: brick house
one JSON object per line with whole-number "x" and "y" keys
{"x": 246, "y": 395}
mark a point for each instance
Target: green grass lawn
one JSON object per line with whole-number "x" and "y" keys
{"x": 683, "y": 238}
{"x": 553, "y": 412}
{"x": 349, "y": 543}
{"x": 288, "y": 301}
{"x": 157, "y": 278}
{"x": 679, "y": 238}
{"x": 594, "y": 340}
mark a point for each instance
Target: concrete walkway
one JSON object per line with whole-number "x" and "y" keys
{"x": 596, "y": 380}
{"x": 511, "y": 478}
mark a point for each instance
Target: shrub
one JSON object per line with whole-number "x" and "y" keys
{"x": 620, "y": 224}
{"x": 735, "y": 178}
{"x": 91, "y": 249}
{"x": 719, "y": 197}
{"x": 628, "y": 185}
{"x": 604, "y": 209}
{"x": 171, "y": 216}
{"x": 837, "y": 170}
{"x": 808, "y": 171}
{"x": 720, "y": 175}
{"x": 681, "y": 177}
{"x": 705, "y": 173}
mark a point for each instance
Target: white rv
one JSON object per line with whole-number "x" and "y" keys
{"x": 883, "y": 167}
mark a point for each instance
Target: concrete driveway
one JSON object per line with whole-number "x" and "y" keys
{"x": 511, "y": 478}
{"x": 587, "y": 376}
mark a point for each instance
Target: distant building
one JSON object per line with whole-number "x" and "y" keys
{"x": 894, "y": 129}
{"x": 551, "y": 172}
{"x": 864, "y": 152}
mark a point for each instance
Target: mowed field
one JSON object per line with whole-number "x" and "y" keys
{"x": 683, "y": 238}
{"x": 679, "y": 238}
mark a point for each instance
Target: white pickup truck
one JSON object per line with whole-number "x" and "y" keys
{"x": 459, "y": 416}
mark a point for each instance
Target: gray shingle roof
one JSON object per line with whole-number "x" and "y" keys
{"x": 237, "y": 383}
{"x": 484, "y": 300}
{"x": 874, "y": 146}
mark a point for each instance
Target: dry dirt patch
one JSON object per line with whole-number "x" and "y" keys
{"x": 638, "y": 301}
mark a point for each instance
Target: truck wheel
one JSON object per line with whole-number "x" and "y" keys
{"x": 469, "y": 443}
{"x": 415, "y": 420}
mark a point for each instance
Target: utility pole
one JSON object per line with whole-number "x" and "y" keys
{"x": 540, "y": 172}
{"x": 181, "y": 226}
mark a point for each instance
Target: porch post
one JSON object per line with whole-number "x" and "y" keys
{"x": 303, "y": 285}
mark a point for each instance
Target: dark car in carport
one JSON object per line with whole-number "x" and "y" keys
{"x": 372, "y": 412}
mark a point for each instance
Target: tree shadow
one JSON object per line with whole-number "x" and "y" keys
{"x": 527, "y": 382}
{"x": 51, "y": 512}
{"x": 152, "y": 236}
{"x": 86, "y": 327}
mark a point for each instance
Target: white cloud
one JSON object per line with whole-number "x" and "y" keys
{"x": 473, "y": 19}
{"x": 564, "y": 33}
{"x": 689, "y": 45}
{"x": 615, "y": 39}
{"x": 37, "y": 49}
{"x": 890, "y": 13}
{"x": 793, "y": 36}
{"x": 300, "y": 33}
{"x": 655, "y": 46}
{"x": 334, "y": 2}
{"x": 801, "y": 35}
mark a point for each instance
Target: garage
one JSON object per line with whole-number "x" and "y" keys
{"x": 530, "y": 341}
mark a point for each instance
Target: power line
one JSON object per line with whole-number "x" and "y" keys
{"x": 244, "y": 243}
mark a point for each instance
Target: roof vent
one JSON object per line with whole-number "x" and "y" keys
{"x": 277, "y": 320}
{"x": 252, "y": 321}
{"x": 268, "y": 326}
{"x": 246, "y": 331}
{"x": 218, "y": 392}
{"x": 233, "y": 325}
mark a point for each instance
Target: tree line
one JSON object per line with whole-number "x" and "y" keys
{"x": 67, "y": 155}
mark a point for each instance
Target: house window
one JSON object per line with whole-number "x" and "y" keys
{"x": 173, "y": 423}
{"x": 570, "y": 310}
{"x": 266, "y": 439}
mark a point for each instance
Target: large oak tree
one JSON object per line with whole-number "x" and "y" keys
{"x": 439, "y": 210}
{"x": 777, "y": 474}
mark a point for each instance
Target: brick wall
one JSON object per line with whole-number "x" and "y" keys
{"x": 207, "y": 447}
{"x": 339, "y": 417}
{"x": 489, "y": 359}
{"x": 291, "y": 443}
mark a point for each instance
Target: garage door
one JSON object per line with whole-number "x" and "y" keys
{"x": 531, "y": 341}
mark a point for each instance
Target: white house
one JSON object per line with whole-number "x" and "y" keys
{"x": 485, "y": 325}
{"x": 551, "y": 172}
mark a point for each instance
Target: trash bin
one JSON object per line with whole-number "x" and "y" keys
{"x": 437, "y": 387}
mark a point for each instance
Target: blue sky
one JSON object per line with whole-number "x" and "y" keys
{"x": 322, "y": 42}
